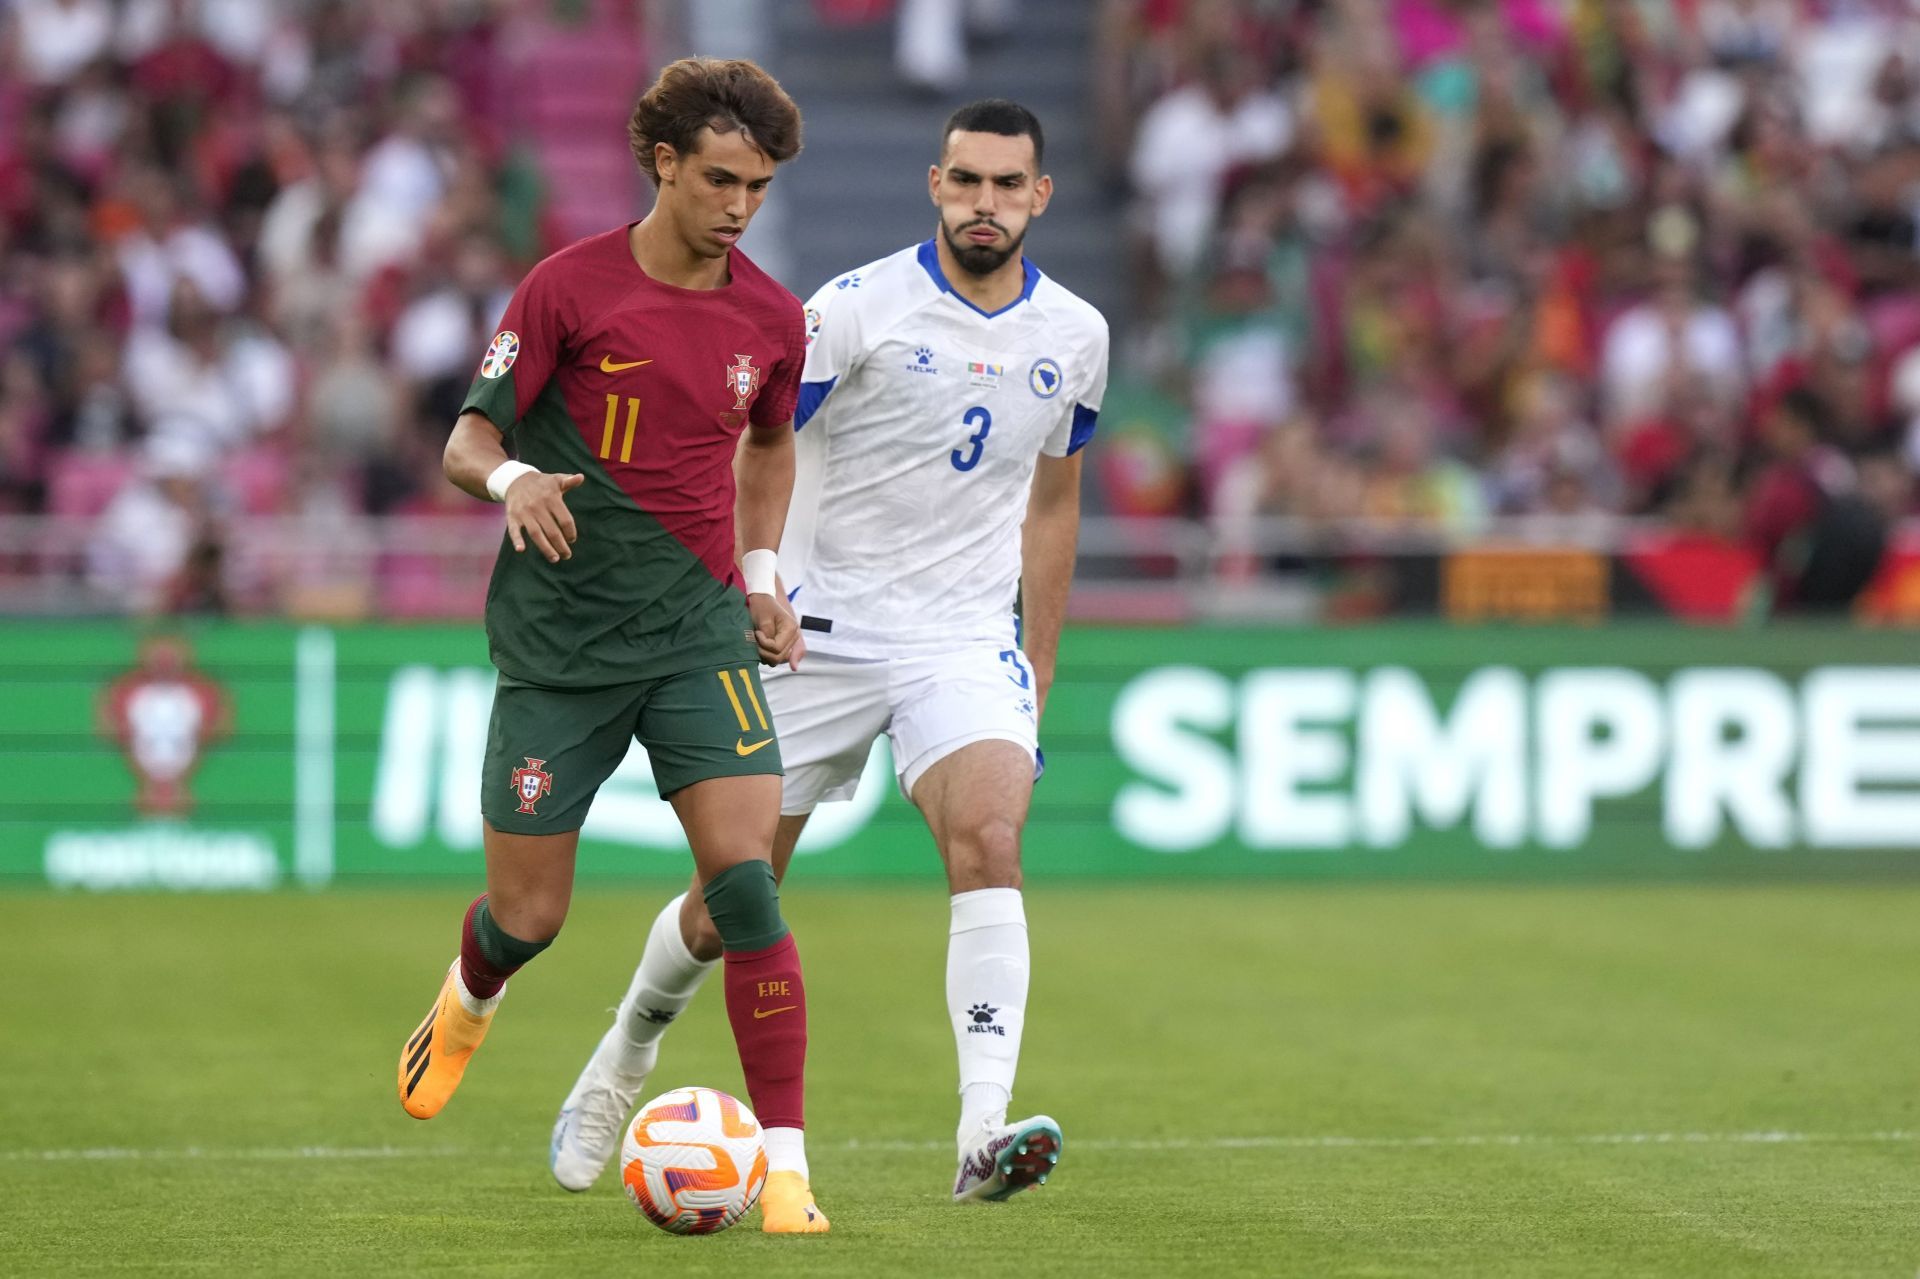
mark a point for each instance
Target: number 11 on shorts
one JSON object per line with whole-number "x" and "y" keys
{"x": 746, "y": 684}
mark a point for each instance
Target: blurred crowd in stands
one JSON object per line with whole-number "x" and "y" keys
{"x": 1397, "y": 264}
{"x": 1444, "y": 260}
{"x": 249, "y": 252}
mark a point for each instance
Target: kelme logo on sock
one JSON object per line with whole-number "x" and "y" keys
{"x": 983, "y": 1021}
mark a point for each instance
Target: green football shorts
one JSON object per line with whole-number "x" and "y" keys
{"x": 549, "y": 749}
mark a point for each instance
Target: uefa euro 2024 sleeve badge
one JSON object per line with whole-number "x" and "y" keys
{"x": 501, "y": 353}
{"x": 531, "y": 784}
{"x": 743, "y": 380}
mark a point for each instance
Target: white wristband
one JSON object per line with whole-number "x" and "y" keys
{"x": 504, "y": 475}
{"x": 762, "y": 570}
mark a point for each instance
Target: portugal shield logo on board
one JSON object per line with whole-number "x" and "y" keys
{"x": 164, "y": 714}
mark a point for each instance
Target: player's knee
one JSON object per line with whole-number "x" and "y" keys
{"x": 1000, "y": 843}
{"x": 744, "y": 905}
{"x": 987, "y": 854}
{"x": 545, "y": 923}
{"x": 529, "y": 919}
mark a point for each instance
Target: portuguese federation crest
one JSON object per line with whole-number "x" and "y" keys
{"x": 531, "y": 784}
{"x": 743, "y": 380}
{"x": 164, "y": 714}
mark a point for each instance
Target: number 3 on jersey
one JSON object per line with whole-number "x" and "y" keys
{"x": 975, "y": 416}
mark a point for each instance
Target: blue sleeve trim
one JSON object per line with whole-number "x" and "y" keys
{"x": 1084, "y": 420}
{"x": 812, "y": 395}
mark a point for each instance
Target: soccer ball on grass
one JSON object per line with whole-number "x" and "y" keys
{"x": 693, "y": 1161}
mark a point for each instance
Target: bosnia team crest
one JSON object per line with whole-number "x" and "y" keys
{"x": 501, "y": 353}
{"x": 743, "y": 380}
{"x": 531, "y": 784}
{"x": 1044, "y": 378}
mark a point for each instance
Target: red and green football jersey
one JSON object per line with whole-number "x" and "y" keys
{"x": 643, "y": 388}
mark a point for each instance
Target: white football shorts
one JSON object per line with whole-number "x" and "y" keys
{"x": 829, "y": 711}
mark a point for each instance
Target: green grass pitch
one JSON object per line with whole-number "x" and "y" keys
{"x": 1256, "y": 1080}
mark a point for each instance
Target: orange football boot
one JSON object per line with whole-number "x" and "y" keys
{"x": 436, "y": 1054}
{"x": 787, "y": 1207}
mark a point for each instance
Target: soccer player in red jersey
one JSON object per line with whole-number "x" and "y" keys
{"x": 626, "y": 372}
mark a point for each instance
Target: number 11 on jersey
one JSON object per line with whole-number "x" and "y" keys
{"x": 626, "y": 439}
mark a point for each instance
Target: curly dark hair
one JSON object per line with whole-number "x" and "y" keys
{"x": 724, "y": 94}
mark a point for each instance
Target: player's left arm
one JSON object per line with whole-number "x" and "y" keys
{"x": 763, "y": 470}
{"x": 1051, "y": 536}
{"x": 763, "y": 486}
{"x": 1048, "y": 543}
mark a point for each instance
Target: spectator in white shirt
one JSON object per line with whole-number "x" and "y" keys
{"x": 1191, "y": 139}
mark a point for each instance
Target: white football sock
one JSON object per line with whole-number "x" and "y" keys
{"x": 987, "y": 971}
{"x": 982, "y": 1105}
{"x": 471, "y": 1002}
{"x": 665, "y": 982}
{"x": 787, "y": 1151}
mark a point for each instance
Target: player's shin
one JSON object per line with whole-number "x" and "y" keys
{"x": 987, "y": 974}
{"x": 593, "y": 1118}
{"x": 663, "y": 985}
{"x": 488, "y": 956}
{"x": 435, "y": 1056}
{"x": 766, "y": 1001}
{"x": 767, "y": 1004}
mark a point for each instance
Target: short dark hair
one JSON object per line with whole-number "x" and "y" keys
{"x": 724, "y": 94}
{"x": 996, "y": 115}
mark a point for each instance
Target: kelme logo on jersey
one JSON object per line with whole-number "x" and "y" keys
{"x": 743, "y": 380}
{"x": 501, "y": 353}
{"x": 531, "y": 784}
{"x": 923, "y": 361}
{"x": 1045, "y": 379}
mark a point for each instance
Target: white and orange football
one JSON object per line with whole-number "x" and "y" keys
{"x": 693, "y": 1161}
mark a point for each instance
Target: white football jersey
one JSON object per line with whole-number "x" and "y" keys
{"x": 921, "y": 420}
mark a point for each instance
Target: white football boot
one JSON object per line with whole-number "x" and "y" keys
{"x": 593, "y": 1118}
{"x": 1001, "y": 1161}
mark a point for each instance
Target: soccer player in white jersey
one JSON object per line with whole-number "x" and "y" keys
{"x": 948, "y": 391}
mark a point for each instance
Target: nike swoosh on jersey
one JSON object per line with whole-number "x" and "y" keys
{"x": 740, "y": 746}
{"x": 760, "y": 1013}
{"x": 608, "y": 366}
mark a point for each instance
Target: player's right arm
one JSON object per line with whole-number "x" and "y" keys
{"x": 518, "y": 364}
{"x": 535, "y": 501}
